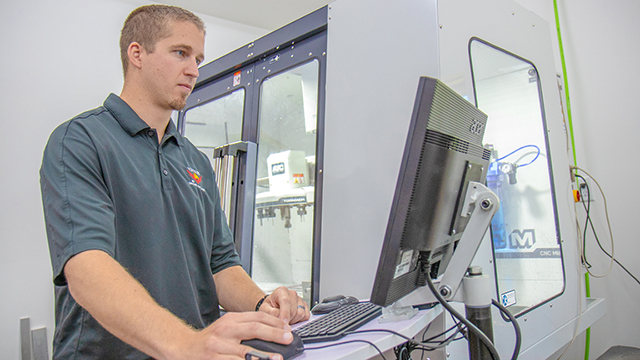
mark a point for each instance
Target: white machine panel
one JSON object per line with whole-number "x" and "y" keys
{"x": 376, "y": 51}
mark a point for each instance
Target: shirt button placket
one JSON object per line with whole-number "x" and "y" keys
{"x": 166, "y": 180}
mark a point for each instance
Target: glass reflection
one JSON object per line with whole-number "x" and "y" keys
{"x": 216, "y": 123}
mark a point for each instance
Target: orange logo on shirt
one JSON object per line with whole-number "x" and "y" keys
{"x": 195, "y": 175}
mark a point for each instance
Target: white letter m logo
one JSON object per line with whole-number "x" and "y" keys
{"x": 522, "y": 240}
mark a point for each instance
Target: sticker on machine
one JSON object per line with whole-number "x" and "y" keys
{"x": 298, "y": 178}
{"x": 405, "y": 264}
{"x": 508, "y": 298}
{"x": 236, "y": 78}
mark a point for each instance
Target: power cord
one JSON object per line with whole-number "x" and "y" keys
{"x": 412, "y": 344}
{"x": 587, "y": 208}
{"x": 485, "y": 340}
{"x": 417, "y": 345}
{"x": 403, "y": 352}
{"x": 516, "y": 327}
{"x": 606, "y": 210}
{"x": 589, "y": 223}
{"x": 581, "y": 246}
{"x": 347, "y": 342}
{"x": 460, "y": 329}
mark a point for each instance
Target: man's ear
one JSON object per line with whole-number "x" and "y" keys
{"x": 134, "y": 51}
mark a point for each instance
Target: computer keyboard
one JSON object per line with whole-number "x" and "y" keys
{"x": 338, "y": 323}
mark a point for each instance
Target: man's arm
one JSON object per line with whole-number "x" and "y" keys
{"x": 235, "y": 289}
{"x": 121, "y": 304}
{"x": 124, "y": 308}
{"x": 237, "y": 292}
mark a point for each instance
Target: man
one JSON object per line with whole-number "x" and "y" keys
{"x": 141, "y": 252}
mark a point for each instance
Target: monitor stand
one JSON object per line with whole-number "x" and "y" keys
{"x": 480, "y": 204}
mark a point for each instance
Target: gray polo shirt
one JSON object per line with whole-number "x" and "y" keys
{"x": 155, "y": 208}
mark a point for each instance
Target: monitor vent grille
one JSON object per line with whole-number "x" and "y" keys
{"x": 401, "y": 286}
{"x": 451, "y": 143}
{"x": 451, "y": 114}
{"x": 446, "y": 142}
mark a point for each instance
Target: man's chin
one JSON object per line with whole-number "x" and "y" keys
{"x": 178, "y": 104}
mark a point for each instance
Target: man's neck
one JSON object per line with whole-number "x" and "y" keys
{"x": 156, "y": 117}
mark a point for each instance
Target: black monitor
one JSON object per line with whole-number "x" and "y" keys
{"x": 442, "y": 154}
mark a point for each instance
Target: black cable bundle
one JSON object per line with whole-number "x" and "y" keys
{"x": 403, "y": 351}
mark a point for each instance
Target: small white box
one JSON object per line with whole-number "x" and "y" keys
{"x": 287, "y": 170}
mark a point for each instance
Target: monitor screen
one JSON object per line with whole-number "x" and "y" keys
{"x": 442, "y": 154}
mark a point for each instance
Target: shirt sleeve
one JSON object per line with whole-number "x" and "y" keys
{"x": 78, "y": 211}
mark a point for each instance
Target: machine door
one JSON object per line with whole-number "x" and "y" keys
{"x": 216, "y": 120}
{"x": 261, "y": 126}
{"x": 287, "y": 137}
{"x": 525, "y": 230}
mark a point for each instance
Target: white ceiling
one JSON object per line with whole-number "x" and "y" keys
{"x": 265, "y": 14}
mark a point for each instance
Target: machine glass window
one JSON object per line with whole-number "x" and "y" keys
{"x": 283, "y": 230}
{"x": 216, "y": 122}
{"x": 526, "y": 244}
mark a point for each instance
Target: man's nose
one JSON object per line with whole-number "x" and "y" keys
{"x": 192, "y": 69}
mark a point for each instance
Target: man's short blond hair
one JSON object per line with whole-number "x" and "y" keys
{"x": 149, "y": 24}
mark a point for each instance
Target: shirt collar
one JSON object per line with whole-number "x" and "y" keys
{"x": 132, "y": 123}
{"x": 172, "y": 131}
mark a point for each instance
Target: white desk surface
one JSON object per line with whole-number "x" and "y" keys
{"x": 383, "y": 340}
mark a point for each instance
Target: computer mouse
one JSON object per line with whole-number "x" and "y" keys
{"x": 333, "y": 298}
{"x": 331, "y": 303}
{"x": 295, "y": 348}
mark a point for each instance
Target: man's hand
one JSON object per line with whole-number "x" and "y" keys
{"x": 286, "y": 305}
{"x": 237, "y": 292}
{"x": 124, "y": 307}
{"x": 222, "y": 338}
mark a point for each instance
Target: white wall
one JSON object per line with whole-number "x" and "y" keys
{"x": 601, "y": 51}
{"x": 59, "y": 59}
